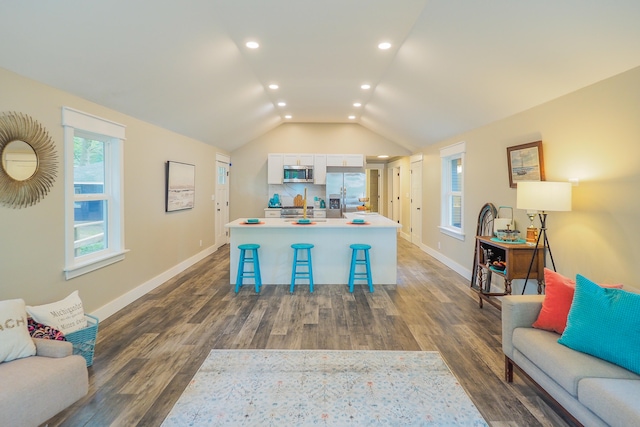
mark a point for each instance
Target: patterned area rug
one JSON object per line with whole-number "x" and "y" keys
{"x": 318, "y": 387}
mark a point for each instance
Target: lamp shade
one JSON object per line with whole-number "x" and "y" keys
{"x": 543, "y": 196}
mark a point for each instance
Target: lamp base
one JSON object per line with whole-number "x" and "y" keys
{"x": 532, "y": 235}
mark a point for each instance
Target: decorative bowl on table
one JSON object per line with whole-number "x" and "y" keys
{"x": 304, "y": 221}
{"x": 357, "y": 221}
{"x": 508, "y": 235}
{"x": 253, "y": 220}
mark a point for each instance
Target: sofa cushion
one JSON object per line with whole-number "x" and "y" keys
{"x": 566, "y": 366}
{"x": 604, "y": 323}
{"x": 66, "y": 315}
{"x": 615, "y": 401}
{"x": 15, "y": 341}
{"x": 559, "y": 292}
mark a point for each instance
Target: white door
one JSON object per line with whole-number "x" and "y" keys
{"x": 222, "y": 199}
{"x": 395, "y": 197}
{"x": 416, "y": 202}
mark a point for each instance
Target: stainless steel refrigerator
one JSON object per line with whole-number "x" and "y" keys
{"x": 343, "y": 191}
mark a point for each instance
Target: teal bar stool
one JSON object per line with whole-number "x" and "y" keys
{"x": 245, "y": 259}
{"x": 355, "y": 262}
{"x": 302, "y": 262}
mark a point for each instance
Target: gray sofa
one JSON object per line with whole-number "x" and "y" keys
{"x": 34, "y": 389}
{"x": 591, "y": 391}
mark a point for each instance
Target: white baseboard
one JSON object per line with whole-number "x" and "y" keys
{"x": 122, "y": 301}
{"x": 458, "y": 268}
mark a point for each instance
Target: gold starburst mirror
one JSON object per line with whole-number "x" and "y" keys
{"x": 28, "y": 167}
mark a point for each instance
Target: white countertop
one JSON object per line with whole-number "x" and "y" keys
{"x": 372, "y": 220}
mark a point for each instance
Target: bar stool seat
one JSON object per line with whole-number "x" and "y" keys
{"x": 302, "y": 262}
{"x": 245, "y": 259}
{"x": 355, "y": 262}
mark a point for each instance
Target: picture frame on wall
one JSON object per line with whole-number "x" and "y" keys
{"x": 180, "y": 186}
{"x": 525, "y": 163}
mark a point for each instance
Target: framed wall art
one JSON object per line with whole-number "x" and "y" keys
{"x": 525, "y": 163}
{"x": 181, "y": 186}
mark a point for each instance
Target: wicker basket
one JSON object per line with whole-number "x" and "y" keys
{"x": 84, "y": 340}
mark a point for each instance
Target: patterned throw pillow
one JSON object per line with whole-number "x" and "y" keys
{"x": 39, "y": 330}
{"x": 604, "y": 323}
{"x": 558, "y": 291}
{"x": 15, "y": 342}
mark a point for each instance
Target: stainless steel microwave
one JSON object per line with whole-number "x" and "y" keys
{"x": 298, "y": 174}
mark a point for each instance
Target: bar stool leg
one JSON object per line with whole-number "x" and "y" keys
{"x": 294, "y": 270}
{"x": 240, "y": 275}
{"x": 256, "y": 271}
{"x": 368, "y": 265}
{"x": 310, "y": 270}
{"x": 352, "y": 270}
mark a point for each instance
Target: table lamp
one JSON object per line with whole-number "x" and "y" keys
{"x": 543, "y": 197}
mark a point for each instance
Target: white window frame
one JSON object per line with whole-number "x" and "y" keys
{"x": 113, "y": 135}
{"x": 447, "y": 154}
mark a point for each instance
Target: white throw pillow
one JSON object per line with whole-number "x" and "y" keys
{"x": 15, "y": 341}
{"x": 66, "y": 316}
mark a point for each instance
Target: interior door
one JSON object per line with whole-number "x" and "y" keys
{"x": 416, "y": 202}
{"x": 395, "y": 196}
{"x": 222, "y": 199}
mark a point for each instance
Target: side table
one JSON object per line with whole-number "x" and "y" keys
{"x": 517, "y": 257}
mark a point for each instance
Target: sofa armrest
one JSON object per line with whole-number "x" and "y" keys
{"x": 53, "y": 348}
{"x": 518, "y": 311}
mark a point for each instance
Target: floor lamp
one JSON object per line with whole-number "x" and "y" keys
{"x": 543, "y": 197}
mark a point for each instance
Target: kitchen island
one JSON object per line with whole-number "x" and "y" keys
{"x": 331, "y": 254}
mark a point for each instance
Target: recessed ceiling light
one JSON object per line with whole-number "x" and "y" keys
{"x": 365, "y": 86}
{"x": 384, "y": 45}
{"x": 357, "y": 104}
{"x": 252, "y": 45}
{"x": 282, "y": 104}
{"x": 383, "y": 156}
{"x": 273, "y": 86}
{"x": 288, "y": 116}
{"x": 352, "y": 117}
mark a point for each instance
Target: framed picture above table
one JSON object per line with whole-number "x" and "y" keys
{"x": 525, "y": 163}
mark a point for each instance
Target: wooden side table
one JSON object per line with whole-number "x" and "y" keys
{"x": 517, "y": 257}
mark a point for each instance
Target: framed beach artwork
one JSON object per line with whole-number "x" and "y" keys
{"x": 181, "y": 186}
{"x": 525, "y": 163}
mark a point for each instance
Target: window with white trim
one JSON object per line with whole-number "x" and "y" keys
{"x": 94, "y": 213}
{"x": 452, "y": 203}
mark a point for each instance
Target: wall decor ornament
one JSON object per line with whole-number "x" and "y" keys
{"x": 181, "y": 186}
{"x": 525, "y": 163}
{"x": 28, "y": 168}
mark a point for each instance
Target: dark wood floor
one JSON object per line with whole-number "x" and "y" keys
{"x": 147, "y": 353}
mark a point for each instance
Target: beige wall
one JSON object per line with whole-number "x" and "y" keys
{"x": 249, "y": 192}
{"x": 32, "y": 239}
{"x": 593, "y": 135}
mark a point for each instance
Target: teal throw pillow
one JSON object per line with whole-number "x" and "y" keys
{"x": 605, "y": 323}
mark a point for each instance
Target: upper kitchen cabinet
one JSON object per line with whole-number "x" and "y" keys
{"x": 351, "y": 160}
{"x": 320, "y": 169}
{"x": 298, "y": 159}
{"x": 275, "y": 166}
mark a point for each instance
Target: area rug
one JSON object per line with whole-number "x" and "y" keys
{"x": 318, "y": 387}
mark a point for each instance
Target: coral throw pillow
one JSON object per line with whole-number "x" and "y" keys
{"x": 559, "y": 292}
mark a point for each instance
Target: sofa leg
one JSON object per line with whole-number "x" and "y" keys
{"x": 508, "y": 370}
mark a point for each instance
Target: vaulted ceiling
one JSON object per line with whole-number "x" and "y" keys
{"x": 453, "y": 65}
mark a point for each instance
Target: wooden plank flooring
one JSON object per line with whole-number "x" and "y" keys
{"x": 148, "y": 352}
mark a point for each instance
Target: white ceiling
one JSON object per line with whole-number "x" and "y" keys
{"x": 454, "y": 65}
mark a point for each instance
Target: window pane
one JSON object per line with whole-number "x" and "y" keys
{"x": 456, "y": 211}
{"x": 90, "y": 229}
{"x": 456, "y": 174}
{"x": 88, "y": 166}
{"x": 222, "y": 175}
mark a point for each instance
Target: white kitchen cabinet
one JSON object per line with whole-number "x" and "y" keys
{"x": 320, "y": 169}
{"x": 344, "y": 160}
{"x": 275, "y": 165}
{"x": 272, "y": 213}
{"x": 298, "y": 159}
{"x": 319, "y": 213}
